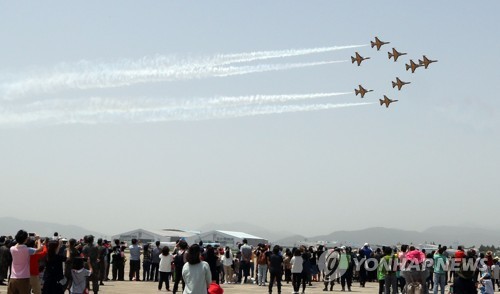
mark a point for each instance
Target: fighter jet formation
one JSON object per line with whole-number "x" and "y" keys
{"x": 361, "y": 91}
{"x": 386, "y": 101}
{"x": 395, "y": 54}
{"x": 424, "y": 62}
{"x": 412, "y": 65}
{"x": 378, "y": 43}
{"x": 358, "y": 58}
{"x": 399, "y": 83}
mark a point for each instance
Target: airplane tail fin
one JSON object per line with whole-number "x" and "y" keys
{"x": 420, "y": 62}
{"x": 390, "y": 55}
{"x": 353, "y": 59}
{"x": 373, "y": 43}
{"x": 356, "y": 91}
{"x": 407, "y": 67}
{"x": 393, "y": 84}
{"x": 381, "y": 102}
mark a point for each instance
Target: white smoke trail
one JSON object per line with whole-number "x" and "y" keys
{"x": 110, "y": 78}
{"x": 98, "y": 110}
{"x": 263, "y": 55}
{"x": 266, "y": 99}
{"x": 88, "y": 75}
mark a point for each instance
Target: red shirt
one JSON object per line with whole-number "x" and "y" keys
{"x": 459, "y": 255}
{"x": 34, "y": 266}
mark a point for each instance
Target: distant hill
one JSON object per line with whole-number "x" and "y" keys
{"x": 9, "y": 227}
{"x": 290, "y": 241}
{"x": 446, "y": 235}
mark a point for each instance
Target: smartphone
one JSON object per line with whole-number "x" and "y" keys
{"x": 31, "y": 234}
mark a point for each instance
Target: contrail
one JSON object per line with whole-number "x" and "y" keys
{"x": 88, "y": 75}
{"x": 97, "y": 110}
{"x": 111, "y": 78}
{"x": 263, "y": 55}
{"x": 265, "y": 99}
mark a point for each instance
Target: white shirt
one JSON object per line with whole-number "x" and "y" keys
{"x": 227, "y": 261}
{"x": 165, "y": 263}
{"x": 296, "y": 264}
{"x": 495, "y": 271}
{"x": 197, "y": 277}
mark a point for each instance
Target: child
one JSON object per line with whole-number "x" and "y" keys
{"x": 79, "y": 276}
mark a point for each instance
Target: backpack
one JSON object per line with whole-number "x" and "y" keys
{"x": 414, "y": 288}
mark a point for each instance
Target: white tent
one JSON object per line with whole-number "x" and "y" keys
{"x": 167, "y": 235}
{"x": 230, "y": 238}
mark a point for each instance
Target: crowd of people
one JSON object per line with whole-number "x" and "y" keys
{"x": 31, "y": 264}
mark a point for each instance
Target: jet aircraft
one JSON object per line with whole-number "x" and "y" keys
{"x": 426, "y": 62}
{"x": 358, "y": 59}
{"x": 395, "y": 54}
{"x": 361, "y": 91}
{"x": 386, "y": 101}
{"x": 399, "y": 83}
{"x": 412, "y": 65}
{"x": 378, "y": 43}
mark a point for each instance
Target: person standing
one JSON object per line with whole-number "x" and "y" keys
{"x": 495, "y": 273}
{"x": 118, "y": 261}
{"x": 71, "y": 253}
{"x": 288, "y": 266}
{"x": 297, "y": 267}
{"x": 155, "y": 262}
{"x": 275, "y": 262}
{"x": 227, "y": 262}
{"x": 36, "y": 287}
{"x": 20, "y": 271}
{"x": 135, "y": 261}
{"x": 211, "y": 259}
{"x": 146, "y": 263}
{"x": 440, "y": 265}
{"x": 262, "y": 261}
{"x": 91, "y": 253}
{"x": 165, "y": 268}
{"x": 195, "y": 272}
{"x": 5, "y": 259}
{"x": 246, "y": 257}
{"x": 53, "y": 274}
{"x": 102, "y": 252}
{"x": 390, "y": 266}
{"x": 179, "y": 261}
{"x": 346, "y": 265}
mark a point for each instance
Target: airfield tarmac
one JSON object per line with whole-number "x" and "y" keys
{"x": 150, "y": 287}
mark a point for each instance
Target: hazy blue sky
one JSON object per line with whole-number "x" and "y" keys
{"x": 432, "y": 158}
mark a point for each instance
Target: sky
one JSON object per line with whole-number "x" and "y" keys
{"x": 107, "y": 116}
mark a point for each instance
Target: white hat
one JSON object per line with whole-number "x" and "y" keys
{"x": 366, "y": 244}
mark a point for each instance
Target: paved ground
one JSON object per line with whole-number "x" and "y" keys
{"x": 150, "y": 287}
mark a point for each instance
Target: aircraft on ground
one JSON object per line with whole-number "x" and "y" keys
{"x": 361, "y": 91}
{"x": 358, "y": 58}
{"x": 395, "y": 54}
{"x": 378, "y": 43}
{"x": 399, "y": 83}
{"x": 426, "y": 62}
{"x": 386, "y": 101}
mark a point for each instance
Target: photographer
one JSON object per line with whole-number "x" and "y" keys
{"x": 20, "y": 272}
